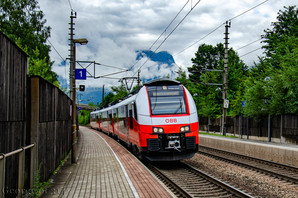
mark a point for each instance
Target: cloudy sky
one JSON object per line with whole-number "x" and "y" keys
{"x": 116, "y": 29}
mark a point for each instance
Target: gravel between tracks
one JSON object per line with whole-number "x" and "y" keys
{"x": 252, "y": 182}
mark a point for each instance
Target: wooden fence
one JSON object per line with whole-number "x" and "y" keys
{"x": 281, "y": 128}
{"x": 32, "y": 111}
{"x": 13, "y": 105}
{"x": 50, "y": 124}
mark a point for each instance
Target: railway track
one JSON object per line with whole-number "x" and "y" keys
{"x": 277, "y": 170}
{"x": 186, "y": 181}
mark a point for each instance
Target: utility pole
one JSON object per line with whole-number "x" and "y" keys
{"x": 71, "y": 84}
{"x": 225, "y": 79}
{"x": 71, "y": 57}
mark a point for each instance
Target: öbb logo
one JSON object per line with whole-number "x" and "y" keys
{"x": 171, "y": 120}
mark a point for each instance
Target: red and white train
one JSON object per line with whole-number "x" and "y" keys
{"x": 160, "y": 122}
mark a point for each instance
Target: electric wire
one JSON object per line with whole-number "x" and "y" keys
{"x": 247, "y": 10}
{"x": 29, "y": 14}
{"x": 250, "y": 52}
{"x": 200, "y": 39}
{"x": 70, "y": 5}
{"x": 56, "y": 50}
{"x": 169, "y": 35}
{"x": 161, "y": 33}
{"x": 249, "y": 44}
{"x": 169, "y": 25}
{"x": 220, "y": 26}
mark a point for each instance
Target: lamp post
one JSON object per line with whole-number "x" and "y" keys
{"x": 82, "y": 41}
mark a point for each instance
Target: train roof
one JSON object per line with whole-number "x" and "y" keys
{"x": 163, "y": 81}
{"x": 130, "y": 97}
{"x": 126, "y": 101}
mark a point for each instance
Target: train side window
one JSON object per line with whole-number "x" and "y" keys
{"x": 110, "y": 117}
{"x": 135, "y": 111}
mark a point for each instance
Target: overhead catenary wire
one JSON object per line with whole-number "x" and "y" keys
{"x": 220, "y": 26}
{"x": 162, "y": 33}
{"x": 249, "y": 44}
{"x": 169, "y": 25}
{"x": 250, "y": 52}
{"x": 70, "y": 5}
{"x": 247, "y": 10}
{"x": 56, "y": 50}
{"x": 200, "y": 39}
{"x": 168, "y": 35}
{"x": 63, "y": 59}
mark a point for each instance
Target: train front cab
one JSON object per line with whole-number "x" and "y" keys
{"x": 168, "y": 122}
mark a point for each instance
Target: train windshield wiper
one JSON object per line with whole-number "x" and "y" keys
{"x": 180, "y": 107}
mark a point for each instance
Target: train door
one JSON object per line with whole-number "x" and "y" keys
{"x": 127, "y": 126}
{"x": 110, "y": 124}
{"x": 115, "y": 121}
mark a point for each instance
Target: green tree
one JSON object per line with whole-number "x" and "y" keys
{"x": 107, "y": 100}
{"x": 275, "y": 91}
{"x": 210, "y": 97}
{"x": 23, "y": 22}
{"x": 84, "y": 117}
{"x": 272, "y": 85}
{"x": 120, "y": 92}
{"x": 285, "y": 26}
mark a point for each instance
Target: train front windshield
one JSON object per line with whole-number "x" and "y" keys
{"x": 165, "y": 100}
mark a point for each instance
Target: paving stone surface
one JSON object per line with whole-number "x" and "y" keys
{"x": 104, "y": 169}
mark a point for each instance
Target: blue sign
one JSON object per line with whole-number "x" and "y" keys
{"x": 81, "y": 74}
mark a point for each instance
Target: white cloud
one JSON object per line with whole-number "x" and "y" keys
{"x": 116, "y": 29}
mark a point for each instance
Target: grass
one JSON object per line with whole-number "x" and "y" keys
{"x": 38, "y": 186}
{"x": 216, "y": 134}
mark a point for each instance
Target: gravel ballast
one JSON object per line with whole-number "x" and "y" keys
{"x": 251, "y": 182}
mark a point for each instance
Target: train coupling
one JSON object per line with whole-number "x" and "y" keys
{"x": 173, "y": 143}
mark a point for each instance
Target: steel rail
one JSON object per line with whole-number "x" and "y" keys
{"x": 176, "y": 188}
{"x": 253, "y": 167}
{"x": 220, "y": 183}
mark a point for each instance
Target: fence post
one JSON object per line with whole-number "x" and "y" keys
{"x": 241, "y": 125}
{"x": 21, "y": 172}
{"x": 280, "y": 128}
{"x": 208, "y": 129}
{"x": 247, "y": 127}
{"x": 32, "y": 165}
{"x": 2, "y": 173}
{"x": 34, "y": 125}
{"x": 269, "y": 128}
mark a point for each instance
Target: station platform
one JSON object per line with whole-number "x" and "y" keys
{"x": 276, "y": 152}
{"x": 104, "y": 169}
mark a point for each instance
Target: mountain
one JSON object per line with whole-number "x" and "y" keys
{"x": 94, "y": 94}
{"x": 162, "y": 57}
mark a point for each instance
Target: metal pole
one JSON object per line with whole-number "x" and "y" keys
{"x": 72, "y": 16}
{"x": 225, "y": 78}
{"x": 21, "y": 172}
{"x": 269, "y": 128}
{"x": 74, "y": 109}
{"x": 247, "y": 127}
{"x": 72, "y": 86}
{"x": 2, "y": 173}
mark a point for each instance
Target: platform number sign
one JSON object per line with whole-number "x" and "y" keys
{"x": 81, "y": 74}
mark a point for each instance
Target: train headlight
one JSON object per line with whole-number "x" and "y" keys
{"x": 157, "y": 130}
{"x": 185, "y": 129}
